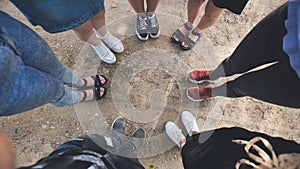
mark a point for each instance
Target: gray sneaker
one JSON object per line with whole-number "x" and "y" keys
{"x": 154, "y": 28}
{"x": 118, "y": 131}
{"x": 142, "y": 28}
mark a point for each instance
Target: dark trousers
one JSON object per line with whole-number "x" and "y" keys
{"x": 215, "y": 149}
{"x": 279, "y": 83}
{"x": 66, "y": 155}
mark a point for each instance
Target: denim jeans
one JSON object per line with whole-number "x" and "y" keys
{"x": 30, "y": 73}
{"x": 59, "y": 15}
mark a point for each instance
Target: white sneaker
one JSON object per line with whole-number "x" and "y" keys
{"x": 189, "y": 122}
{"x": 174, "y": 133}
{"x": 111, "y": 42}
{"x": 104, "y": 53}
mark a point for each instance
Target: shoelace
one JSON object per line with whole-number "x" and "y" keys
{"x": 153, "y": 21}
{"x": 203, "y": 75}
{"x": 190, "y": 125}
{"x": 178, "y": 133}
{"x": 142, "y": 23}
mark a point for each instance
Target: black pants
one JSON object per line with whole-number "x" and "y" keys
{"x": 279, "y": 83}
{"x": 66, "y": 155}
{"x": 217, "y": 151}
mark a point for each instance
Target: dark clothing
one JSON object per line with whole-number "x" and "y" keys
{"x": 215, "y": 149}
{"x": 234, "y": 6}
{"x": 84, "y": 153}
{"x": 279, "y": 83}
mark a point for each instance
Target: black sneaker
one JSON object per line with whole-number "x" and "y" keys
{"x": 118, "y": 131}
{"x": 136, "y": 140}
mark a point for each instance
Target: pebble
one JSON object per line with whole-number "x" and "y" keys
{"x": 44, "y": 126}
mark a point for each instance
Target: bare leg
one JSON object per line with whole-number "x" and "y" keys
{"x": 193, "y": 11}
{"x": 138, "y": 6}
{"x": 86, "y": 33}
{"x": 152, "y": 5}
{"x": 210, "y": 17}
{"x": 99, "y": 23}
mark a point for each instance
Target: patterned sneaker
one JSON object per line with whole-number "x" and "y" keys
{"x": 154, "y": 28}
{"x": 142, "y": 28}
{"x": 201, "y": 76}
{"x": 189, "y": 122}
{"x": 104, "y": 53}
{"x": 198, "y": 93}
{"x": 118, "y": 131}
{"x": 111, "y": 42}
{"x": 174, "y": 133}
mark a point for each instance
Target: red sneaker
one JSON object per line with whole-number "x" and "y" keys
{"x": 198, "y": 93}
{"x": 201, "y": 76}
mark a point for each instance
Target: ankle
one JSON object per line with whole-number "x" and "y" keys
{"x": 142, "y": 14}
{"x": 197, "y": 29}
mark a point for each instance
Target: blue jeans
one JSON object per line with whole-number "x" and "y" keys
{"x": 30, "y": 74}
{"x": 59, "y": 15}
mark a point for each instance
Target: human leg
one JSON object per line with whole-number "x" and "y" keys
{"x": 209, "y": 18}
{"x": 138, "y": 6}
{"x": 25, "y": 88}
{"x": 260, "y": 46}
{"x": 277, "y": 84}
{"x": 152, "y": 5}
{"x": 34, "y": 51}
{"x": 193, "y": 10}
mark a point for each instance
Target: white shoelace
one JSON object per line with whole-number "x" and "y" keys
{"x": 153, "y": 21}
{"x": 142, "y": 23}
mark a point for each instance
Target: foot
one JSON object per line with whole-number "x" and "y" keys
{"x": 136, "y": 140}
{"x": 96, "y": 93}
{"x": 189, "y": 123}
{"x": 111, "y": 42}
{"x": 142, "y": 28}
{"x": 198, "y": 94}
{"x": 154, "y": 28}
{"x": 118, "y": 131}
{"x": 201, "y": 76}
{"x": 90, "y": 81}
{"x": 104, "y": 53}
{"x": 181, "y": 32}
{"x": 191, "y": 40}
{"x": 174, "y": 133}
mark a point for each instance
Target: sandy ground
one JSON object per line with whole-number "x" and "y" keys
{"x": 151, "y": 86}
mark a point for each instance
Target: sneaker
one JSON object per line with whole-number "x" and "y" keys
{"x": 136, "y": 140}
{"x": 201, "y": 76}
{"x": 174, "y": 133}
{"x": 104, "y": 53}
{"x": 142, "y": 28}
{"x": 154, "y": 28}
{"x": 198, "y": 93}
{"x": 189, "y": 122}
{"x": 111, "y": 42}
{"x": 118, "y": 131}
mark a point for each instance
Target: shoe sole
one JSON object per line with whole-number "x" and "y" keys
{"x": 155, "y": 36}
{"x": 204, "y": 81}
{"x": 141, "y": 38}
